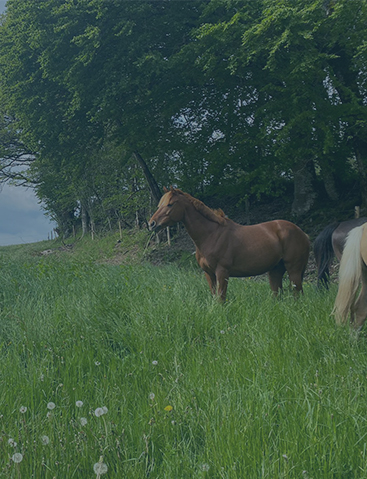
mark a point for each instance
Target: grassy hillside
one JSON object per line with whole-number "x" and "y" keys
{"x": 139, "y": 367}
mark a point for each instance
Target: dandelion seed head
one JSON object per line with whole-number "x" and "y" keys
{"x": 12, "y": 443}
{"x": 51, "y": 405}
{"x": 49, "y": 414}
{"x": 83, "y": 421}
{"x": 104, "y": 409}
{"x": 100, "y": 468}
{"x": 151, "y": 396}
{"x": 98, "y": 412}
{"x": 17, "y": 457}
{"x": 45, "y": 440}
{"x": 154, "y": 363}
{"x": 205, "y": 467}
{"x": 97, "y": 363}
{"x": 23, "y": 409}
{"x": 79, "y": 403}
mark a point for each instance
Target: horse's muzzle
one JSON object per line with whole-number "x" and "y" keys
{"x": 154, "y": 227}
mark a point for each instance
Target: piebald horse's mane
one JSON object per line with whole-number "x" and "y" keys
{"x": 218, "y": 216}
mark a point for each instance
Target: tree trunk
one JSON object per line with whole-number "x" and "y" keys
{"x": 304, "y": 193}
{"x": 329, "y": 183}
{"x": 153, "y": 185}
{"x": 84, "y": 218}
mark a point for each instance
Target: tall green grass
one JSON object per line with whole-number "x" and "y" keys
{"x": 255, "y": 388}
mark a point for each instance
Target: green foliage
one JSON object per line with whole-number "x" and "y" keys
{"x": 216, "y": 96}
{"x": 255, "y": 388}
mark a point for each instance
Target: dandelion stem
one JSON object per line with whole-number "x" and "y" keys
{"x": 105, "y": 428}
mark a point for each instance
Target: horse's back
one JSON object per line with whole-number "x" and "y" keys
{"x": 289, "y": 232}
{"x": 293, "y": 242}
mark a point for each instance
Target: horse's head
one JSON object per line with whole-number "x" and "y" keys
{"x": 170, "y": 210}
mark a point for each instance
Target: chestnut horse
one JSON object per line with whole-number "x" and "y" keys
{"x": 352, "y": 272}
{"x": 225, "y": 248}
{"x": 330, "y": 243}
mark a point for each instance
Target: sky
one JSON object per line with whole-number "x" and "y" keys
{"x": 22, "y": 219}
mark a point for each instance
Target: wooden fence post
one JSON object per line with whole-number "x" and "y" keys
{"x": 168, "y": 236}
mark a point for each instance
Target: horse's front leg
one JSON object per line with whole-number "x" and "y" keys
{"x": 222, "y": 279}
{"x": 212, "y": 282}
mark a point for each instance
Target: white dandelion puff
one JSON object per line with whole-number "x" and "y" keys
{"x": 51, "y": 405}
{"x": 154, "y": 363}
{"x": 12, "y": 443}
{"x": 100, "y": 468}
{"x": 79, "y": 403}
{"x": 83, "y": 421}
{"x": 23, "y": 409}
{"x": 45, "y": 440}
{"x": 205, "y": 467}
{"x": 17, "y": 457}
{"x": 151, "y": 396}
{"x": 97, "y": 363}
{"x": 49, "y": 414}
{"x": 104, "y": 409}
{"x": 98, "y": 412}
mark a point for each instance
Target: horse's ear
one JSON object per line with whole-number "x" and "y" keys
{"x": 165, "y": 189}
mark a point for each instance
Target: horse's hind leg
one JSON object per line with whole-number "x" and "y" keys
{"x": 296, "y": 272}
{"x": 276, "y": 277}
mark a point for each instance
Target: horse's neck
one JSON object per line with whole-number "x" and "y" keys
{"x": 199, "y": 227}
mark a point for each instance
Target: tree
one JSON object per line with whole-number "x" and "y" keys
{"x": 226, "y": 97}
{"x": 287, "y": 52}
{"x": 15, "y": 156}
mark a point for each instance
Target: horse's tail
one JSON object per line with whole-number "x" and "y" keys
{"x": 324, "y": 253}
{"x": 350, "y": 272}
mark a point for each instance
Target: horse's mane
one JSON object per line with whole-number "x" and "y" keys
{"x": 218, "y": 216}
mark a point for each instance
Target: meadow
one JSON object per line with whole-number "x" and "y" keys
{"x": 134, "y": 371}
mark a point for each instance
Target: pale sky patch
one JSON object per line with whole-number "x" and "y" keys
{"x": 21, "y": 218}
